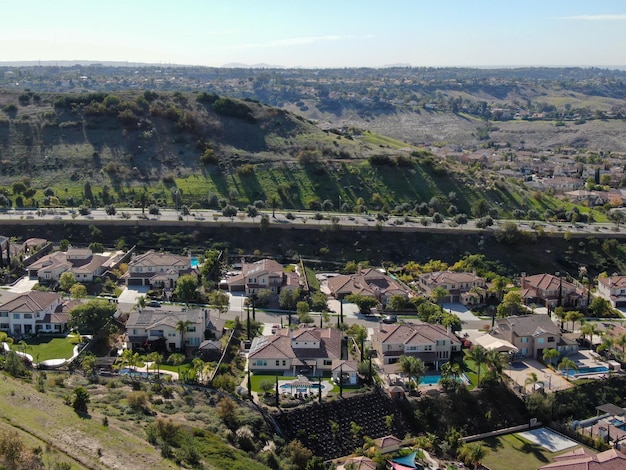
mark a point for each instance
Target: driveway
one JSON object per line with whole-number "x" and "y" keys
{"x": 462, "y": 311}
{"x": 130, "y": 295}
{"x": 24, "y": 284}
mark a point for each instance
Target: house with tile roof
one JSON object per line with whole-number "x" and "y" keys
{"x": 33, "y": 312}
{"x": 531, "y": 334}
{"x": 263, "y": 274}
{"x": 369, "y": 283}
{"x": 433, "y": 344}
{"x": 303, "y": 350}
{"x": 613, "y": 289}
{"x": 157, "y": 270}
{"x": 584, "y": 459}
{"x": 158, "y": 330}
{"x": 82, "y": 262}
{"x": 458, "y": 284}
{"x": 552, "y": 291}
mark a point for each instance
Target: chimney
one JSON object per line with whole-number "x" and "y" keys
{"x": 523, "y": 280}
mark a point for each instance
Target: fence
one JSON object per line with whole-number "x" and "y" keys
{"x": 500, "y": 432}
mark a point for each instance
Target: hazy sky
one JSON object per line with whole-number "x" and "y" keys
{"x": 318, "y": 33}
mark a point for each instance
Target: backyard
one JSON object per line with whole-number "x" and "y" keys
{"x": 503, "y": 450}
{"x": 44, "y": 348}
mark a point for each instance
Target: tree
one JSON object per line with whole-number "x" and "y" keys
{"x": 288, "y": 298}
{"x": 600, "y": 307}
{"x": 396, "y": 302}
{"x": 157, "y": 359}
{"x": 181, "y": 327}
{"x": 364, "y": 302}
{"x": 567, "y": 364}
{"x": 92, "y": 316}
{"x": 186, "y": 287}
{"x": 511, "y": 304}
{"x": 110, "y": 210}
{"x": 496, "y": 361}
{"x": 81, "y": 399}
{"x": 176, "y": 360}
{"x": 531, "y": 380}
{"x": 620, "y": 341}
{"x": 14, "y": 365}
{"x": 11, "y": 450}
{"x": 498, "y": 284}
{"x": 88, "y": 364}
{"x": 472, "y": 453}
{"x": 66, "y": 281}
{"x": 573, "y": 316}
{"x": 252, "y": 212}
{"x": 78, "y": 291}
{"x": 590, "y": 329}
{"x": 550, "y": 354}
{"x": 438, "y": 294}
{"x": 413, "y": 367}
{"x": 478, "y": 355}
{"x": 220, "y": 301}
{"x": 229, "y": 211}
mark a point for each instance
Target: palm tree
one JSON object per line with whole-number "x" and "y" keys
{"x": 478, "y": 355}
{"x": 550, "y": 354}
{"x": 589, "y": 329}
{"x": 181, "y": 327}
{"x": 438, "y": 294}
{"x": 498, "y": 284}
{"x": 472, "y": 453}
{"x": 567, "y": 364}
{"x": 532, "y": 380}
{"x": 176, "y": 359}
{"x": 606, "y": 345}
{"x": 496, "y": 362}
{"x": 157, "y": 359}
{"x": 573, "y": 316}
{"x": 451, "y": 369}
{"x": 197, "y": 366}
{"x": 412, "y": 367}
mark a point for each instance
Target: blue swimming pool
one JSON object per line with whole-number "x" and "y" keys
{"x": 289, "y": 387}
{"x": 430, "y": 379}
{"x": 194, "y": 262}
{"x": 587, "y": 370}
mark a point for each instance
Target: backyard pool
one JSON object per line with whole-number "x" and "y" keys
{"x": 587, "y": 370}
{"x": 194, "y": 262}
{"x": 433, "y": 379}
{"x": 313, "y": 387}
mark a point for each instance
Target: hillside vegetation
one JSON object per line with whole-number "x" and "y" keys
{"x": 202, "y": 150}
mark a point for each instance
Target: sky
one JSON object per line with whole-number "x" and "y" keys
{"x": 318, "y": 33}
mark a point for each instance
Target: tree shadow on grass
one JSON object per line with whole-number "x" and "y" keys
{"x": 530, "y": 448}
{"x": 493, "y": 443}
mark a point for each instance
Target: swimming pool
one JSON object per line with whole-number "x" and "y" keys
{"x": 587, "y": 370}
{"x": 300, "y": 389}
{"x": 194, "y": 262}
{"x": 433, "y": 379}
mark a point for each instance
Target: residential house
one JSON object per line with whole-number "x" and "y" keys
{"x": 613, "y": 289}
{"x": 304, "y": 351}
{"x": 531, "y": 334}
{"x": 584, "y": 459}
{"x": 458, "y": 285}
{"x": 433, "y": 344}
{"x": 157, "y": 270}
{"x": 159, "y": 330}
{"x": 81, "y": 262}
{"x": 33, "y": 312}
{"x": 552, "y": 291}
{"x": 367, "y": 282}
{"x": 263, "y": 274}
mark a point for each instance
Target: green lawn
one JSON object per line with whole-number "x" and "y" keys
{"x": 258, "y": 378}
{"x": 471, "y": 373}
{"x": 44, "y": 348}
{"x": 503, "y": 450}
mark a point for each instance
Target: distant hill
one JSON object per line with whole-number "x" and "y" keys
{"x": 205, "y": 150}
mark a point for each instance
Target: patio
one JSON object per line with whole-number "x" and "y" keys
{"x": 302, "y": 387}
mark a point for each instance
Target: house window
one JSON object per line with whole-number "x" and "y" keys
{"x": 28, "y": 315}
{"x": 525, "y": 339}
{"x": 541, "y": 340}
{"x": 277, "y": 363}
{"x": 16, "y": 316}
{"x": 191, "y": 329}
{"x": 284, "y": 362}
{"x": 550, "y": 339}
{"x": 328, "y": 362}
{"x": 4, "y": 326}
{"x": 4, "y": 314}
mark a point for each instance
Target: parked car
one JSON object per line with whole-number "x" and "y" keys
{"x": 390, "y": 319}
{"x": 153, "y": 303}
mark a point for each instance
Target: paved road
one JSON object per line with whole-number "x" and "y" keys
{"x": 299, "y": 219}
